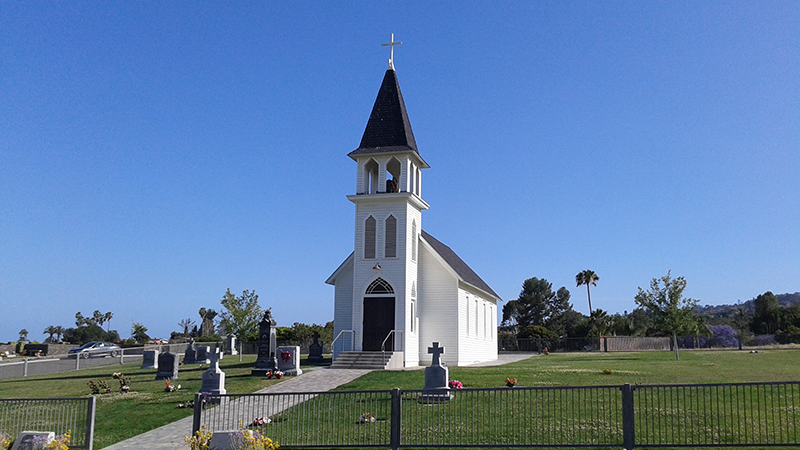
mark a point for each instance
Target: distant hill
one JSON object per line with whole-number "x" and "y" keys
{"x": 722, "y": 313}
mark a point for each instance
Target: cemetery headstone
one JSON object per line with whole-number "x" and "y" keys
{"x": 214, "y": 378}
{"x": 150, "y": 359}
{"x": 167, "y": 366}
{"x": 436, "y": 377}
{"x": 190, "y": 356}
{"x": 315, "y": 350}
{"x": 202, "y": 355}
{"x": 232, "y": 345}
{"x": 289, "y": 360}
{"x": 265, "y": 361}
{"x": 33, "y": 440}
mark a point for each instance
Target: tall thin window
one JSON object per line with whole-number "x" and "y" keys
{"x": 469, "y": 322}
{"x": 369, "y": 237}
{"x": 414, "y": 240}
{"x": 477, "y": 319}
{"x": 413, "y": 306}
{"x": 390, "y": 243}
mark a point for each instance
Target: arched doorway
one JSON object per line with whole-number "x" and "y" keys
{"x": 378, "y": 316}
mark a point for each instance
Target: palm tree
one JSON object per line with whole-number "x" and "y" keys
{"x": 587, "y": 277}
{"x": 51, "y": 330}
{"x": 58, "y": 330}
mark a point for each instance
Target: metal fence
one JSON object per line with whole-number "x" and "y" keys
{"x": 29, "y": 366}
{"x": 58, "y": 415}
{"x": 742, "y": 414}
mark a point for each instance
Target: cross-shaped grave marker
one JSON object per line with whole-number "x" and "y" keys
{"x": 436, "y": 351}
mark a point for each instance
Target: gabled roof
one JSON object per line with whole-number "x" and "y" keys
{"x": 464, "y": 271}
{"x": 388, "y": 128}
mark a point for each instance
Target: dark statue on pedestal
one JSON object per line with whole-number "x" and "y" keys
{"x": 266, "y": 361}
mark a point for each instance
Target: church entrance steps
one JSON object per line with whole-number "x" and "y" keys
{"x": 368, "y": 360}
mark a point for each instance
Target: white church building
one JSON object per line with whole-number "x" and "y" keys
{"x": 401, "y": 289}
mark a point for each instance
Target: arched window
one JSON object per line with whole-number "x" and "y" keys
{"x": 390, "y": 243}
{"x": 370, "y": 182}
{"x": 379, "y": 286}
{"x": 370, "y": 234}
{"x": 393, "y": 176}
{"x": 414, "y": 240}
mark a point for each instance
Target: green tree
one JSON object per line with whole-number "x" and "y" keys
{"x": 767, "y": 317}
{"x": 207, "y": 322}
{"x": 59, "y": 330}
{"x": 23, "y": 335}
{"x": 186, "y": 325}
{"x": 671, "y": 313}
{"x": 139, "y": 333}
{"x": 242, "y": 314}
{"x": 538, "y": 305}
{"x": 51, "y": 330}
{"x": 587, "y": 277}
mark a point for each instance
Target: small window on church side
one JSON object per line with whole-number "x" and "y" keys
{"x": 414, "y": 240}
{"x": 370, "y": 234}
{"x": 413, "y": 316}
{"x": 390, "y": 249}
{"x": 469, "y": 322}
{"x": 476, "y": 318}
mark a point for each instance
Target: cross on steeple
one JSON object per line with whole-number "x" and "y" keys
{"x": 436, "y": 351}
{"x": 391, "y": 45}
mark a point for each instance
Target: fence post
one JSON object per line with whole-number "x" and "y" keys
{"x": 90, "y": 422}
{"x": 628, "y": 429}
{"x": 25, "y": 367}
{"x": 198, "y": 409}
{"x": 395, "y": 425}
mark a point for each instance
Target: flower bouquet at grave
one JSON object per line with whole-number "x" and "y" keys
{"x": 189, "y": 404}
{"x": 511, "y": 382}
{"x": 98, "y": 387}
{"x": 607, "y": 371}
{"x": 455, "y": 384}
{"x": 170, "y": 387}
{"x": 5, "y": 441}
{"x": 200, "y": 439}
{"x": 124, "y": 383}
{"x": 367, "y": 418}
{"x": 116, "y": 375}
{"x": 545, "y": 351}
{"x": 59, "y": 443}
{"x": 257, "y": 422}
{"x": 274, "y": 373}
{"x": 286, "y": 355}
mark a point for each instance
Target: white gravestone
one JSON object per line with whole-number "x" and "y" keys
{"x": 33, "y": 440}
{"x": 436, "y": 377}
{"x": 150, "y": 359}
{"x": 289, "y": 360}
{"x": 232, "y": 345}
{"x": 213, "y": 378}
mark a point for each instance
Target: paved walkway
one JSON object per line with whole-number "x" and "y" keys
{"x": 170, "y": 436}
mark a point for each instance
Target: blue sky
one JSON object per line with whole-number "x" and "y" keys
{"x": 154, "y": 154}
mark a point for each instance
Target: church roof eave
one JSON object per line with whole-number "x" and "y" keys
{"x": 347, "y": 261}
{"x": 388, "y": 151}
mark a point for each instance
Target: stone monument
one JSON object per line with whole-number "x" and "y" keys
{"x": 190, "y": 356}
{"x": 232, "y": 345}
{"x": 31, "y": 440}
{"x": 265, "y": 361}
{"x": 150, "y": 359}
{"x": 214, "y": 378}
{"x": 202, "y": 355}
{"x": 436, "y": 378}
{"x": 167, "y": 366}
{"x": 289, "y": 360}
{"x": 315, "y": 350}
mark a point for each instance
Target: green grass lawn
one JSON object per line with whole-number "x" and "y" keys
{"x": 586, "y": 369}
{"x": 121, "y": 416}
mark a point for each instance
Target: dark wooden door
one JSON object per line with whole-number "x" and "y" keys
{"x": 378, "y": 322}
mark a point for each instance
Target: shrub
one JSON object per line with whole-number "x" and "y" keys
{"x": 723, "y": 336}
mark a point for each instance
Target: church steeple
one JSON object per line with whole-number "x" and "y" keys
{"x": 388, "y": 128}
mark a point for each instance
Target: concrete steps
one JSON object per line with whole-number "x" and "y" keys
{"x": 363, "y": 360}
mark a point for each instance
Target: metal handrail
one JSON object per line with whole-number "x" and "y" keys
{"x": 340, "y": 335}
{"x": 383, "y": 344}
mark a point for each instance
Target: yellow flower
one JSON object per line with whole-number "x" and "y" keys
{"x": 200, "y": 439}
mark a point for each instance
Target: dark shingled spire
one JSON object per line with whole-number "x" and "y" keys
{"x": 388, "y": 128}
